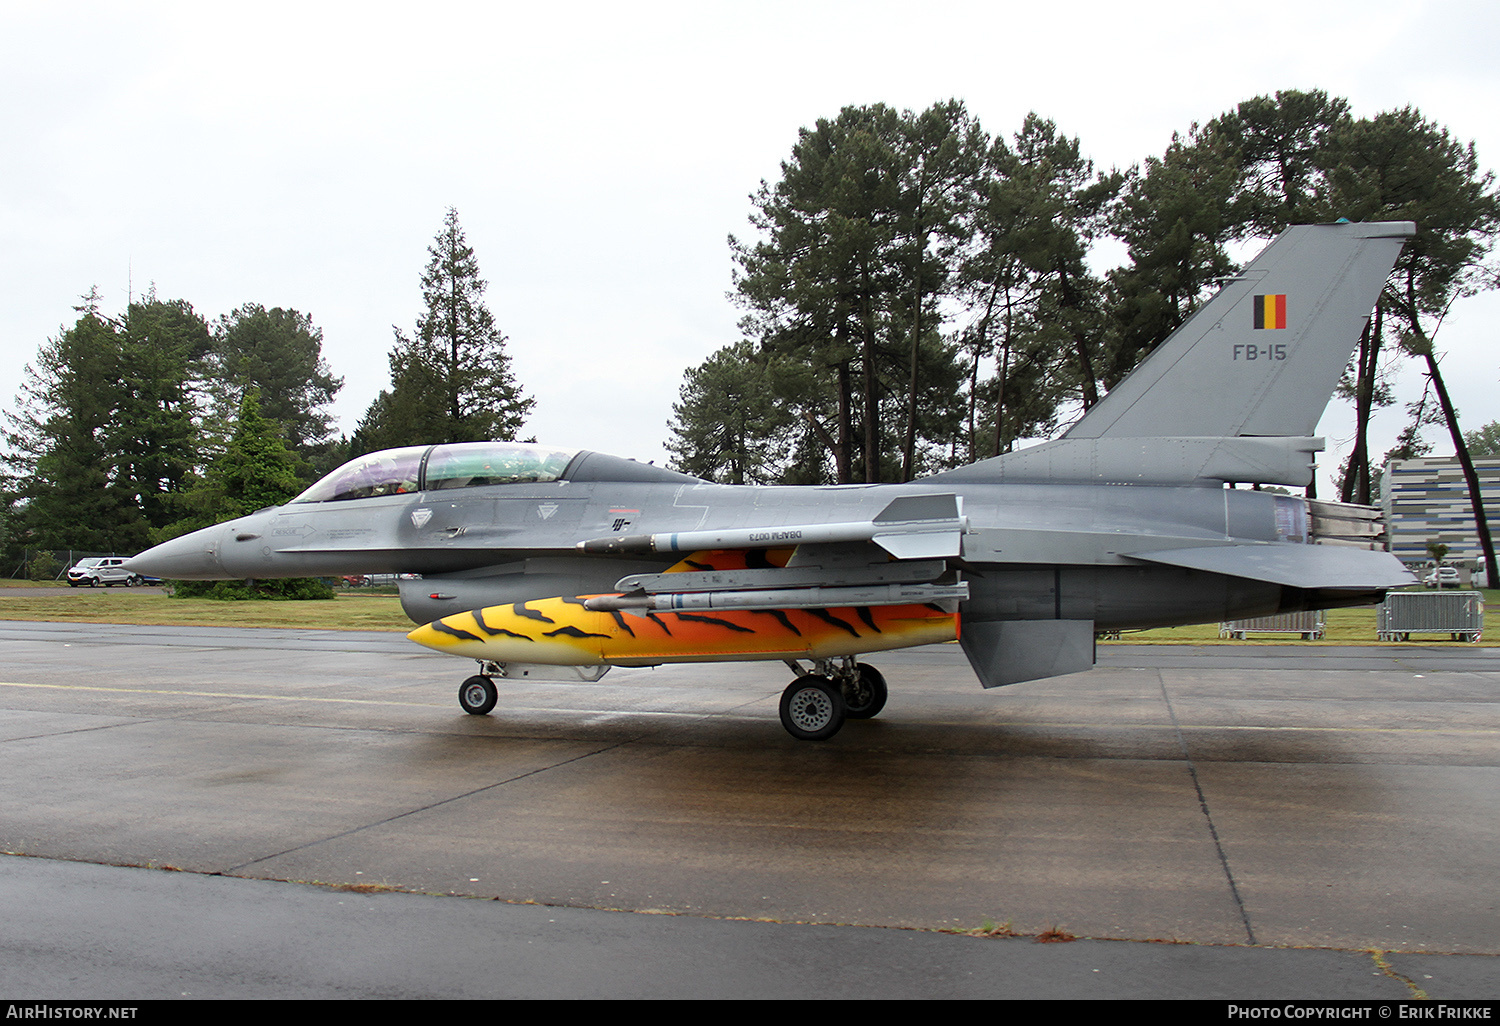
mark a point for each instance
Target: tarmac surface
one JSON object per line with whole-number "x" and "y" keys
{"x": 1293, "y": 821}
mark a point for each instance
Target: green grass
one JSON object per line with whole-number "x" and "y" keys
{"x": 1343, "y": 627}
{"x": 152, "y": 606}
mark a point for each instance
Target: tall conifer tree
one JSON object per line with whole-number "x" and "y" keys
{"x": 67, "y": 480}
{"x": 451, "y": 380}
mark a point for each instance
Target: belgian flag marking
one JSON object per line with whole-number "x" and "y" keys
{"x": 1270, "y": 311}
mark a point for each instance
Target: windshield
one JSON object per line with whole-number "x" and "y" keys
{"x": 471, "y": 464}
{"x": 460, "y": 465}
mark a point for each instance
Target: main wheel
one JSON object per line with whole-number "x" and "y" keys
{"x": 866, "y": 696}
{"x": 812, "y": 709}
{"x": 478, "y": 695}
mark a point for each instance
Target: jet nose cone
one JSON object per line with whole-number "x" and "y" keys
{"x": 432, "y": 635}
{"x": 193, "y": 557}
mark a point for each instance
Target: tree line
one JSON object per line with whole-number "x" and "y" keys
{"x": 917, "y": 293}
{"x": 134, "y": 427}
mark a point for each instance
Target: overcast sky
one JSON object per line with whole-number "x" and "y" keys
{"x": 599, "y": 155}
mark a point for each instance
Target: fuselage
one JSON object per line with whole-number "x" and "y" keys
{"x": 1067, "y": 551}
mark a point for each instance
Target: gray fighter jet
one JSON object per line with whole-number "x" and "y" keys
{"x": 546, "y": 563}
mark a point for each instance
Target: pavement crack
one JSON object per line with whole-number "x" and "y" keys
{"x": 72, "y": 730}
{"x": 424, "y": 808}
{"x": 1208, "y": 818}
{"x": 1417, "y": 993}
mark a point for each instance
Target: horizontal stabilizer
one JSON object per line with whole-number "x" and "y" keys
{"x": 1295, "y": 566}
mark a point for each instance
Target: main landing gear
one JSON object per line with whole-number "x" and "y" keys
{"x": 815, "y": 705}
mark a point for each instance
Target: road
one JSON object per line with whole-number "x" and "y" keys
{"x": 1242, "y": 801}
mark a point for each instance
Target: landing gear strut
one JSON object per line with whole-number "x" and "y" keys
{"x": 815, "y": 705}
{"x": 865, "y": 695}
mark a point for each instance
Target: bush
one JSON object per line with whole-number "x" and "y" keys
{"x": 42, "y": 567}
{"x": 292, "y": 588}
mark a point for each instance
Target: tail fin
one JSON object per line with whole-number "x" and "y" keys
{"x": 1235, "y": 393}
{"x": 1261, "y": 357}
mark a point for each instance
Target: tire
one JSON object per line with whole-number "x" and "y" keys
{"x": 867, "y": 697}
{"x": 812, "y": 708}
{"x": 478, "y": 695}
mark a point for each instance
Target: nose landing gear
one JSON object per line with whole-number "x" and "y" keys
{"x": 478, "y": 695}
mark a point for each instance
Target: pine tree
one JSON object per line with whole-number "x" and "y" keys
{"x": 68, "y": 491}
{"x": 279, "y": 354}
{"x": 154, "y": 437}
{"x": 847, "y": 275}
{"x": 729, "y": 423}
{"x": 255, "y": 471}
{"x": 451, "y": 379}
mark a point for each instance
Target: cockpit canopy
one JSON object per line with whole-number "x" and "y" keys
{"x": 435, "y": 467}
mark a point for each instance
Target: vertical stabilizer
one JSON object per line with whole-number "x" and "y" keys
{"x": 1262, "y": 357}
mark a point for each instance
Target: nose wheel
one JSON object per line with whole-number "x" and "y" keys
{"x": 478, "y": 695}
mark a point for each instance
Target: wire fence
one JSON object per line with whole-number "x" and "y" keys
{"x": 51, "y": 564}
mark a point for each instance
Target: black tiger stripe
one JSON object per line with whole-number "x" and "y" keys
{"x": 783, "y": 618}
{"x": 493, "y": 631}
{"x": 443, "y": 628}
{"x": 715, "y": 621}
{"x": 827, "y": 617}
{"x": 620, "y": 622}
{"x": 572, "y": 632}
{"x": 520, "y": 609}
{"x": 660, "y": 623}
{"x": 868, "y": 618}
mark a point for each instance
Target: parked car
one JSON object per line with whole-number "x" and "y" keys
{"x": 1442, "y": 577}
{"x": 96, "y": 570}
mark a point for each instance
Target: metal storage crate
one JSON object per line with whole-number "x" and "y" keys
{"x": 1458, "y": 614}
{"x": 1309, "y": 624}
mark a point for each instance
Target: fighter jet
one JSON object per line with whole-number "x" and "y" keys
{"x": 545, "y": 563}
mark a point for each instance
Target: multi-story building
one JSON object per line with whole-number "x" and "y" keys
{"x": 1426, "y": 500}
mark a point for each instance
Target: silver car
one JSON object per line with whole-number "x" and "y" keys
{"x": 1442, "y": 577}
{"x": 96, "y": 570}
